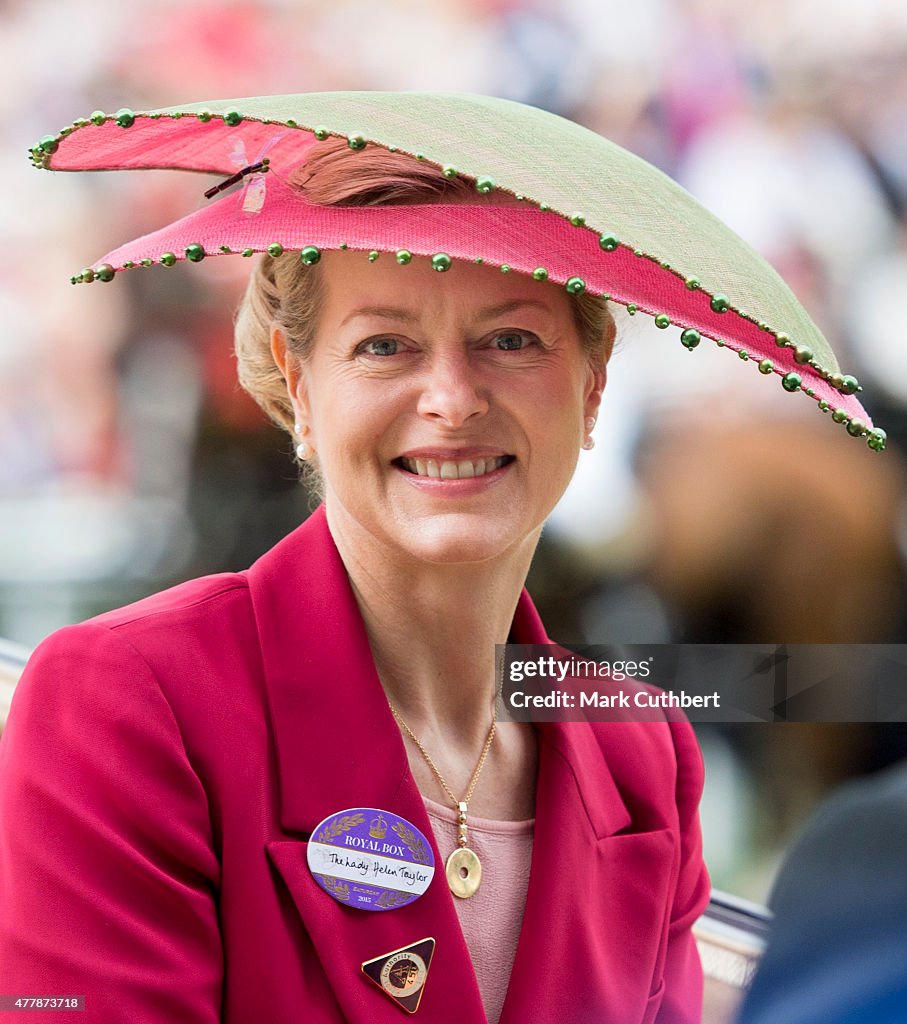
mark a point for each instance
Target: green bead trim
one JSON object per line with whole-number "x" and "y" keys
{"x": 247, "y": 253}
{"x": 690, "y": 338}
{"x": 840, "y": 416}
{"x": 608, "y": 242}
{"x": 743, "y": 355}
{"x": 802, "y": 354}
{"x": 275, "y": 249}
{"x": 448, "y": 171}
{"x": 662, "y": 321}
{"x": 168, "y": 259}
{"x": 403, "y": 256}
{"x": 856, "y": 427}
{"x": 823, "y": 405}
{"x": 87, "y": 275}
{"x": 540, "y": 274}
{"x": 578, "y": 220}
{"x": 233, "y": 118}
{"x": 631, "y": 308}
{"x": 479, "y": 260}
{"x": 195, "y": 253}
{"x": 791, "y": 381}
{"x": 310, "y": 255}
{"x": 575, "y": 285}
{"x": 849, "y": 385}
{"x": 356, "y": 141}
{"x": 146, "y": 261}
{"x": 485, "y": 184}
{"x": 877, "y": 439}
{"x": 104, "y": 272}
{"x": 720, "y": 303}
{"x": 782, "y": 340}
{"x": 48, "y": 145}
{"x": 204, "y": 116}
{"x": 505, "y": 268}
{"x": 128, "y": 265}
{"x": 343, "y": 245}
{"x": 98, "y": 117}
{"x": 766, "y": 366}
{"x": 125, "y": 118}
{"x": 692, "y": 283}
{"x": 441, "y": 262}
{"x": 321, "y": 133}
{"x": 373, "y": 255}
{"x": 225, "y": 249}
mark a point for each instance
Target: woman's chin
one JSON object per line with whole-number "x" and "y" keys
{"x": 454, "y": 539}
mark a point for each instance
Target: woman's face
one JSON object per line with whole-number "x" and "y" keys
{"x": 446, "y": 409}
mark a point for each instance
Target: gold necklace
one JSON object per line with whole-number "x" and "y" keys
{"x": 463, "y": 868}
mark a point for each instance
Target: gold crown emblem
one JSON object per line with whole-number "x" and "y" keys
{"x": 377, "y": 828}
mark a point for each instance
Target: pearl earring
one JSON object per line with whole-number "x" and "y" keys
{"x": 589, "y": 442}
{"x": 304, "y": 451}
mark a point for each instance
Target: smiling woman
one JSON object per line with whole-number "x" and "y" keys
{"x": 253, "y": 776}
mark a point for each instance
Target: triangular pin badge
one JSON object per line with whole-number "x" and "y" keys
{"x": 402, "y": 973}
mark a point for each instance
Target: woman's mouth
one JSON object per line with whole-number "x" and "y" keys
{"x": 453, "y": 469}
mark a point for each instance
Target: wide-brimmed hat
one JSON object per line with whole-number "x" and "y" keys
{"x": 588, "y": 215}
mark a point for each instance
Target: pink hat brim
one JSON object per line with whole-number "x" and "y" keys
{"x": 498, "y": 236}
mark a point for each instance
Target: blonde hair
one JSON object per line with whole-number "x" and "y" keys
{"x": 285, "y": 292}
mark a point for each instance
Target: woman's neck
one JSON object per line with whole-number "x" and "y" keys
{"x": 433, "y": 628}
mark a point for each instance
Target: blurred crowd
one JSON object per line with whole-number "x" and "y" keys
{"x": 715, "y": 508}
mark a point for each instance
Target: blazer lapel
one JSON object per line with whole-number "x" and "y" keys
{"x": 595, "y": 924}
{"x": 338, "y": 746}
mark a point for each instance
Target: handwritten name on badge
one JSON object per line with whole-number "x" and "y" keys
{"x": 370, "y": 859}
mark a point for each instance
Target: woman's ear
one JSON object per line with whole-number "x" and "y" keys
{"x": 595, "y": 385}
{"x": 291, "y": 370}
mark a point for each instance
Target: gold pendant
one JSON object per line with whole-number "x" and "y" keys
{"x": 464, "y": 872}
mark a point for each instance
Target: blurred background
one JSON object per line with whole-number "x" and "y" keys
{"x": 715, "y": 507}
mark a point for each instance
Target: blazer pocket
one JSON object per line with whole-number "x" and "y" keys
{"x": 653, "y": 1003}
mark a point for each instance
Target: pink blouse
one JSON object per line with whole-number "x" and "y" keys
{"x": 490, "y": 919}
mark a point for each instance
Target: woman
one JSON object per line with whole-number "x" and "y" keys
{"x": 172, "y": 770}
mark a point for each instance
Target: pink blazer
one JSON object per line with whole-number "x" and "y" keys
{"x": 164, "y": 765}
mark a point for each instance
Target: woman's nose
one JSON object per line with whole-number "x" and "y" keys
{"x": 451, "y": 392}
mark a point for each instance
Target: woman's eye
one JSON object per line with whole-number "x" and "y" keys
{"x": 380, "y": 347}
{"x": 511, "y": 341}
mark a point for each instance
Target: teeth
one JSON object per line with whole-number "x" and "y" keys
{"x": 450, "y": 470}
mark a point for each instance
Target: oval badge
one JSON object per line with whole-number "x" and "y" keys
{"x": 370, "y": 859}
